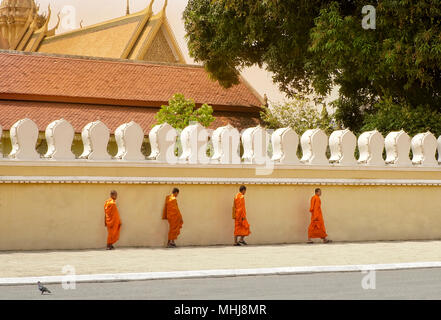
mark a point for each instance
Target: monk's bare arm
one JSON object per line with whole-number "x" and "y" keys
{"x": 311, "y": 209}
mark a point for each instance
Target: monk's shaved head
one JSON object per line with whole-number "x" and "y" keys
{"x": 113, "y": 194}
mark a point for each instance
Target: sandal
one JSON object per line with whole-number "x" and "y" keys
{"x": 310, "y": 242}
{"x": 327, "y": 241}
{"x": 243, "y": 242}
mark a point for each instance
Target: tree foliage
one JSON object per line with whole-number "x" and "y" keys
{"x": 180, "y": 112}
{"x": 313, "y": 45}
{"x": 299, "y": 114}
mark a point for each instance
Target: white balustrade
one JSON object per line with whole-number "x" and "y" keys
{"x": 439, "y": 150}
{"x": 424, "y": 149}
{"x": 129, "y": 138}
{"x": 95, "y": 137}
{"x": 371, "y": 146}
{"x": 285, "y": 142}
{"x": 397, "y": 144}
{"x": 1, "y": 132}
{"x": 194, "y": 140}
{"x": 342, "y": 144}
{"x": 255, "y": 143}
{"x": 163, "y": 142}
{"x": 24, "y": 136}
{"x": 226, "y": 142}
{"x": 59, "y": 138}
{"x": 314, "y": 144}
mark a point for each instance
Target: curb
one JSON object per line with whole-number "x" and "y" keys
{"x": 117, "y": 277}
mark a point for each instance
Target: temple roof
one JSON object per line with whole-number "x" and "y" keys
{"x": 138, "y": 36}
{"x": 41, "y": 77}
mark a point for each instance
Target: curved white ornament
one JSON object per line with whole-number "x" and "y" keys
{"x": 285, "y": 142}
{"x": 59, "y": 138}
{"x": 424, "y": 149}
{"x": 194, "y": 140}
{"x": 314, "y": 143}
{"x": 342, "y": 144}
{"x": 371, "y": 146}
{"x": 1, "y": 132}
{"x": 397, "y": 144}
{"x": 129, "y": 138}
{"x": 439, "y": 150}
{"x": 163, "y": 141}
{"x": 226, "y": 142}
{"x": 24, "y": 136}
{"x": 95, "y": 137}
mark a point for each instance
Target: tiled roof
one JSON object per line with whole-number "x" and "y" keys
{"x": 79, "y": 115}
{"x": 115, "y": 82}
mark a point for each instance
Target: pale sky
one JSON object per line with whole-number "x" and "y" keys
{"x": 95, "y": 11}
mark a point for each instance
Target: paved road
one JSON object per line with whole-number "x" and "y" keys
{"x": 402, "y": 284}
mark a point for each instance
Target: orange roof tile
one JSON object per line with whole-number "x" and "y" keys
{"x": 79, "y": 115}
{"x": 43, "y": 77}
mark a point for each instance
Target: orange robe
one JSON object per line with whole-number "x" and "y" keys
{"x": 241, "y": 226}
{"x": 113, "y": 222}
{"x": 173, "y": 215}
{"x": 317, "y": 227}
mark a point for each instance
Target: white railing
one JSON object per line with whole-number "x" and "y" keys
{"x": 260, "y": 146}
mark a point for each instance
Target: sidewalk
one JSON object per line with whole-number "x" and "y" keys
{"x": 144, "y": 260}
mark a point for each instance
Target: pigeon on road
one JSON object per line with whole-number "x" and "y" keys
{"x": 42, "y": 288}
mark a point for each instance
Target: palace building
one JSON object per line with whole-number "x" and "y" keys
{"x": 119, "y": 70}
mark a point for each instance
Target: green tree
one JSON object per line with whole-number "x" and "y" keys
{"x": 299, "y": 114}
{"x": 180, "y": 112}
{"x": 313, "y": 46}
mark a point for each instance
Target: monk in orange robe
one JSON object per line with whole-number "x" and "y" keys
{"x": 173, "y": 215}
{"x": 112, "y": 220}
{"x": 241, "y": 226}
{"x": 317, "y": 226}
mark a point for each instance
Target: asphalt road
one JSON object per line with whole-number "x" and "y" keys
{"x": 399, "y": 284}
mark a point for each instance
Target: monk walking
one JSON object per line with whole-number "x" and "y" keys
{"x": 317, "y": 227}
{"x": 241, "y": 226}
{"x": 112, "y": 220}
{"x": 173, "y": 215}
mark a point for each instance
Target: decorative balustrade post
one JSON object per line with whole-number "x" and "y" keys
{"x": 424, "y": 149}
{"x": 226, "y": 142}
{"x": 194, "y": 140}
{"x": 1, "y": 151}
{"x": 163, "y": 142}
{"x": 129, "y": 138}
{"x": 342, "y": 144}
{"x": 24, "y": 136}
{"x": 95, "y": 137}
{"x": 439, "y": 150}
{"x": 59, "y": 138}
{"x": 255, "y": 145}
{"x": 314, "y": 143}
{"x": 397, "y": 145}
{"x": 285, "y": 142}
{"x": 371, "y": 146}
